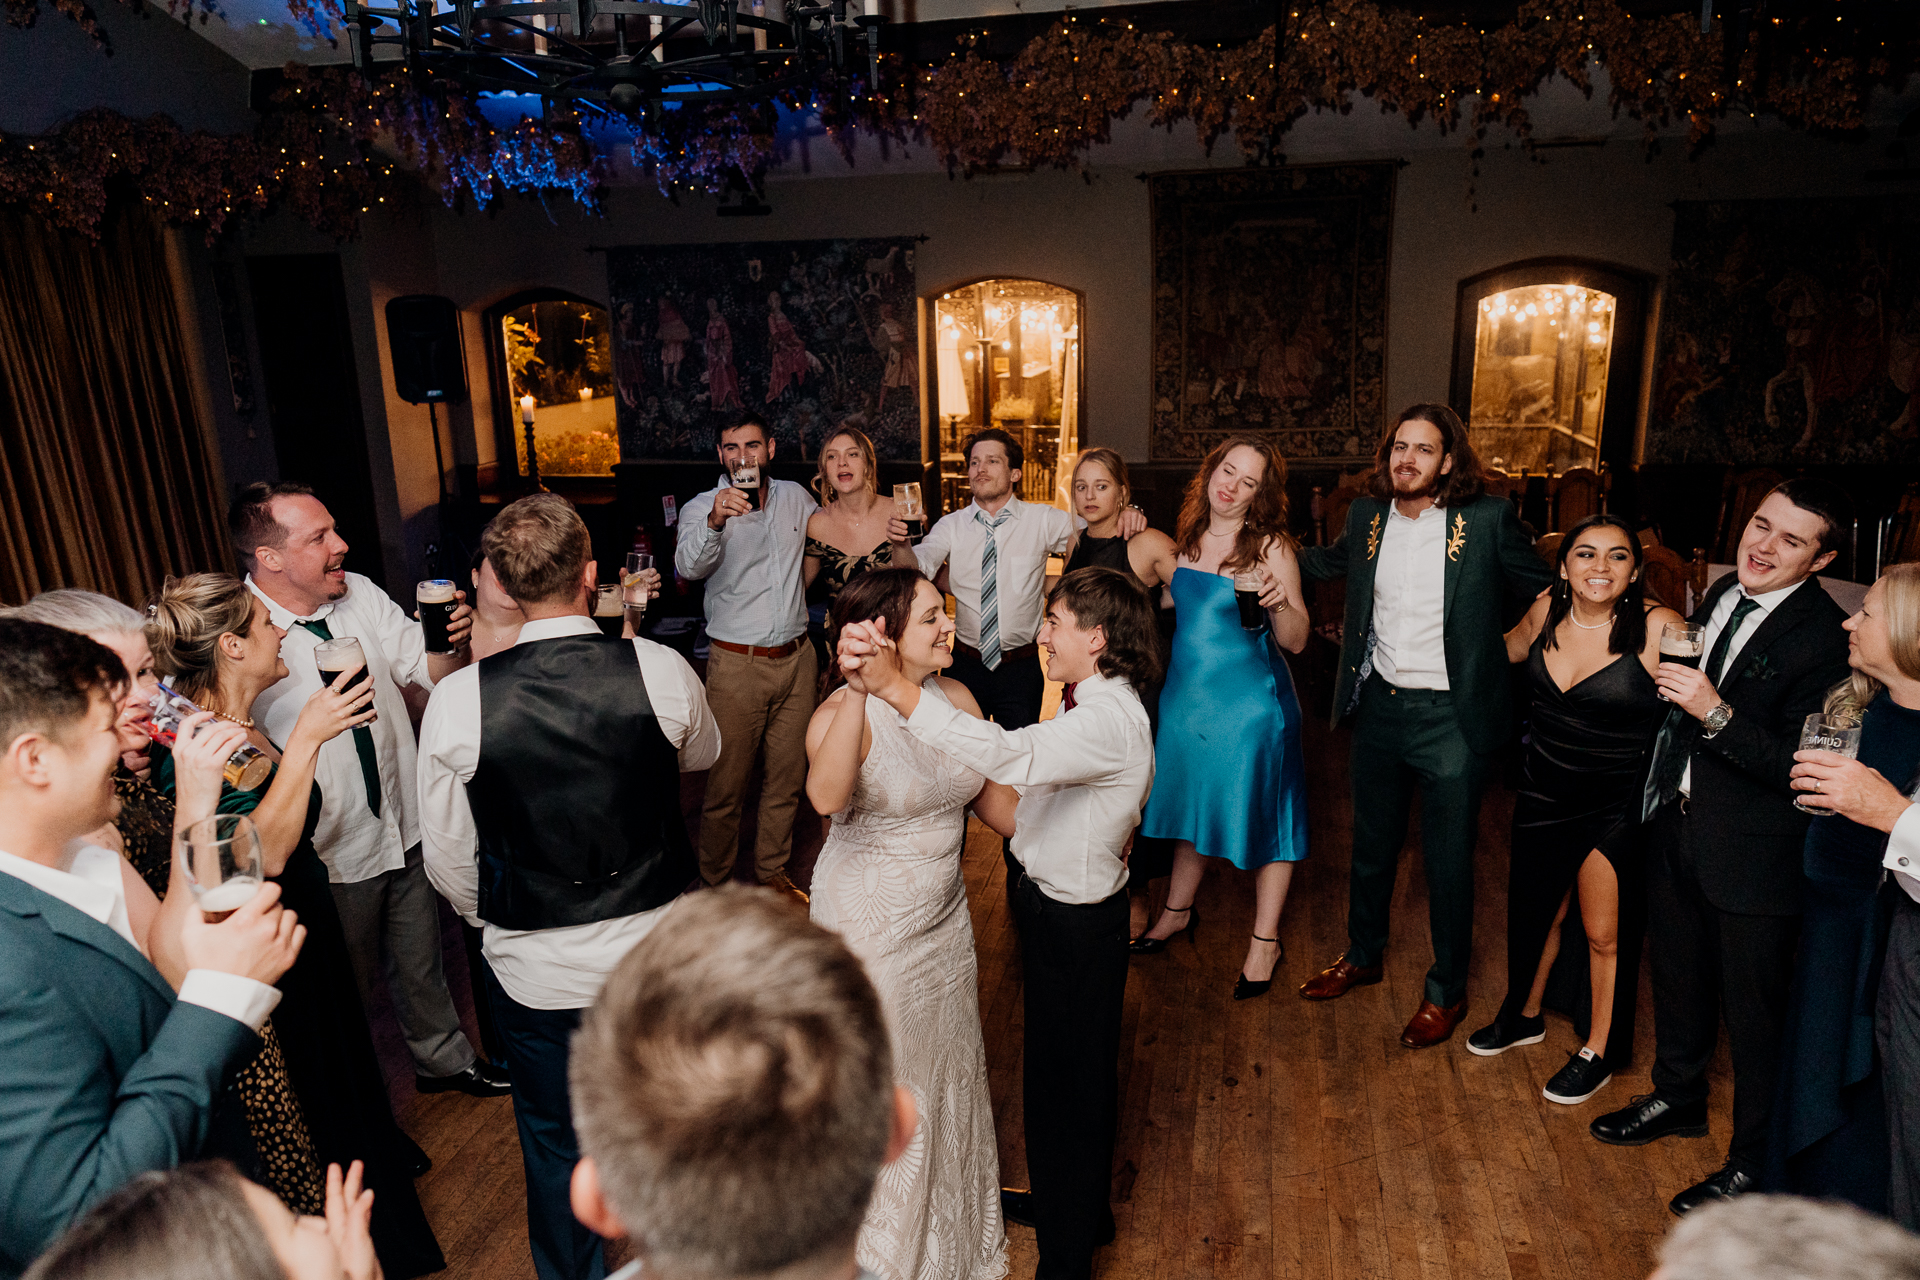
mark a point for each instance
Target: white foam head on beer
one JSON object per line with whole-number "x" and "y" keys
{"x": 230, "y": 895}
{"x": 747, "y": 477}
{"x": 435, "y": 591}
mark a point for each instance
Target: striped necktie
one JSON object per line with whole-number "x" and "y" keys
{"x": 990, "y": 589}
{"x": 362, "y": 736}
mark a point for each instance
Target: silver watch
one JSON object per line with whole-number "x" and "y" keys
{"x": 1716, "y": 720}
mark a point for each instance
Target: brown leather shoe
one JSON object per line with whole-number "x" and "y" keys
{"x": 779, "y": 883}
{"x": 1334, "y": 982}
{"x": 1432, "y": 1024}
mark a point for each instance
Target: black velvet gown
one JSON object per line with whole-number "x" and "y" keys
{"x": 329, "y": 1050}
{"x": 1829, "y": 1134}
{"x": 1587, "y": 753}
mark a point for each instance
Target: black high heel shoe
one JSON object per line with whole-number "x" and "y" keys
{"x": 1245, "y": 988}
{"x": 1145, "y": 946}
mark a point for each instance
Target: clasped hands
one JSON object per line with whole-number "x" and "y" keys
{"x": 869, "y": 661}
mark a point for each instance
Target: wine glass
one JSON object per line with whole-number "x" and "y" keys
{"x": 224, "y": 864}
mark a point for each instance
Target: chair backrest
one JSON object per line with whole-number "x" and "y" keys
{"x": 1548, "y": 545}
{"x": 1574, "y": 495}
{"x": 1664, "y": 576}
{"x": 1334, "y": 506}
{"x": 1740, "y": 497}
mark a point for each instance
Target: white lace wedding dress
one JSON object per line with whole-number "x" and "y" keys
{"x": 888, "y": 880}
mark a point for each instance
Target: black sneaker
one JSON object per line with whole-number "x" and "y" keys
{"x": 1504, "y": 1033}
{"x": 1583, "y": 1076}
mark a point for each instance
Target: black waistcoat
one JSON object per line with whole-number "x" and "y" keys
{"x": 576, "y": 796}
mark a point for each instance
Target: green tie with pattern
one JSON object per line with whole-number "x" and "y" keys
{"x": 362, "y": 736}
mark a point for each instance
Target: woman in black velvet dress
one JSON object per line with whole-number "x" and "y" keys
{"x": 1590, "y": 647}
{"x": 1829, "y": 1135}
{"x": 213, "y": 639}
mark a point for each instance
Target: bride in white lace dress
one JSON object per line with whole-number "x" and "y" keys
{"x": 888, "y": 880}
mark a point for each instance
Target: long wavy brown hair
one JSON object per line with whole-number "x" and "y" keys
{"x": 1266, "y": 517}
{"x": 1467, "y": 480}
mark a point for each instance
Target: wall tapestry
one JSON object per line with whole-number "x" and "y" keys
{"x": 806, "y": 333}
{"x": 1270, "y": 308}
{"x": 1790, "y": 333}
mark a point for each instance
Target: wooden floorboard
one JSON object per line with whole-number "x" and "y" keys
{"x": 1265, "y": 1138}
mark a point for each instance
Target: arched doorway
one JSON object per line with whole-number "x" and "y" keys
{"x": 1007, "y": 355}
{"x": 552, "y": 352}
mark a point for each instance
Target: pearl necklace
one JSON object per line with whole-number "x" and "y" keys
{"x": 244, "y": 724}
{"x": 1587, "y": 626}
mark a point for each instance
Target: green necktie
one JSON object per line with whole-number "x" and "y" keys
{"x": 1717, "y": 660}
{"x": 362, "y": 736}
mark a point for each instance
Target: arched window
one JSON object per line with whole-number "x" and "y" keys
{"x": 1547, "y": 363}
{"x": 1008, "y": 356}
{"x": 552, "y": 353}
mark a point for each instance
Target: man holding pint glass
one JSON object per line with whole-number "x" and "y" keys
{"x": 340, "y": 626}
{"x": 1724, "y": 874}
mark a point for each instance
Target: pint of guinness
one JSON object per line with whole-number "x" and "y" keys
{"x": 437, "y": 602}
{"x": 1682, "y": 643}
{"x": 1246, "y": 593}
{"x": 906, "y": 497}
{"x": 341, "y": 657}
{"x": 746, "y": 478}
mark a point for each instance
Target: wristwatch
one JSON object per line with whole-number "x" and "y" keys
{"x": 1716, "y": 720}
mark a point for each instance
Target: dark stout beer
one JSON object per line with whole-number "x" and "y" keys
{"x": 437, "y": 602}
{"x": 746, "y": 478}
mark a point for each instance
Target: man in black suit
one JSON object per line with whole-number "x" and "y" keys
{"x": 1724, "y": 866}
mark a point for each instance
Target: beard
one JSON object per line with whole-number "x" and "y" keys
{"x": 1413, "y": 488}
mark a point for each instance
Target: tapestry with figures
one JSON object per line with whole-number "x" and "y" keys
{"x": 1270, "y": 308}
{"x": 806, "y": 333}
{"x": 1790, "y": 333}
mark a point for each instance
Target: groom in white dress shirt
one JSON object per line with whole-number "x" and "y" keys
{"x": 1081, "y": 777}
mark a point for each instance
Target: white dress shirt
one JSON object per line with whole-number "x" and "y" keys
{"x": 353, "y": 843}
{"x": 1903, "y": 851}
{"x": 1410, "y": 600}
{"x": 756, "y": 593}
{"x": 541, "y": 968}
{"x": 91, "y": 884}
{"x": 1082, "y": 778}
{"x": 1021, "y": 547}
{"x": 1722, "y": 610}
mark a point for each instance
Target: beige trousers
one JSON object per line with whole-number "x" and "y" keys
{"x": 755, "y": 701}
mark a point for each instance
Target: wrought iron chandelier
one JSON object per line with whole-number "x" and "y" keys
{"x": 634, "y": 57}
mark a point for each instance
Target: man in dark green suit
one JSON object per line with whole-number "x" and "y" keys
{"x": 1434, "y": 570}
{"x": 104, "y": 1072}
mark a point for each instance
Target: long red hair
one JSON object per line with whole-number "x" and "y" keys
{"x": 1266, "y": 517}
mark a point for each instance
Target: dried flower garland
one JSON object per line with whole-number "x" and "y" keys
{"x": 324, "y": 149}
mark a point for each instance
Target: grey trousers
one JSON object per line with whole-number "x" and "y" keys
{"x": 392, "y": 923}
{"x": 1897, "y": 1028}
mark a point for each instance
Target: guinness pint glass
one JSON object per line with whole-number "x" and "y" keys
{"x": 906, "y": 497}
{"x": 1246, "y": 593}
{"x": 437, "y": 602}
{"x": 1684, "y": 643}
{"x": 342, "y": 656}
{"x": 746, "y": 478}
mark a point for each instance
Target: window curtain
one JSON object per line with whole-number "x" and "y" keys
{"x": 107, "y": 479}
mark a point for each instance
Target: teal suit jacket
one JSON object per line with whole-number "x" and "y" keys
{"x": 1493, "y": 574}
{"x": 102, "y": 1074}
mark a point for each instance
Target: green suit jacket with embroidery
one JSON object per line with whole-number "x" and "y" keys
{"x": 1493, "y": 575}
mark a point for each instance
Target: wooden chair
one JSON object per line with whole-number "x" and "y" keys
{"x": 1664, "y": 576}
{"x": 1572, "y": 496}
{"x": 1740, "y": 497}
{"x": 1548, "y": 545}
{"x": 1502, "y": 484}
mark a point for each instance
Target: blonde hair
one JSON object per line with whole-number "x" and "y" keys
{"x": 733, "y": 1085}
{"x": 185, "y": 624}
{"x": 539, "y": 548}
{"x": 1900, "y": 610}
{"x": 824, "y": 487}
{"x": 1110, "y": 459}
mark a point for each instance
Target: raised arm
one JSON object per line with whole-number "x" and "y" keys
{"x": 1152, "y": 557}
{"x": 997, "y": 804}
{"x": 1322, "y": 563}
{"x": 696, "y": 551}
{"x": 281, "y": 815}
{"x": 838, "y": 740}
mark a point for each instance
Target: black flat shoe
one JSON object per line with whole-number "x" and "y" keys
{"x": 1016, "y": 1207}
{"x": 1503, "y": 1034}
{"x": 1145, "y": 946}
{"x": 481, "y": 1079}
{"x": 1724, "y": 1185}
{"x": 1649, "y": 1118}
{"x": 1245, "y": 988}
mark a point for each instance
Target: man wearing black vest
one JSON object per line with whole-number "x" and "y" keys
{"x": 550, "y": 814}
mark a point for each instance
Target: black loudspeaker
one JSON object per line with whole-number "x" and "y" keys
{"x": 429, "y": 362}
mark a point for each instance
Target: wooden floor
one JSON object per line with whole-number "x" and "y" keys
{"x": 1270, "y": 1137}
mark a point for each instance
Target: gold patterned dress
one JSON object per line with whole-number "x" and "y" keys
{"x": 288, "y": 1165}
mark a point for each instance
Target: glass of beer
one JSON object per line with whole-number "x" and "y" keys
{"x": 222, "y": 859}
{"x": 437, "y": 602}
{"x": 1822, "y": 732}
{"x": 906, "y": 497}
{"x": 341, "y": 656}
{"x": 633, "y": 589}
{"x": 746, "y": 478}
{"x": 1684, "y": 643}
{"x": 1247, "y": 586}
{"x": 246, "y": 768}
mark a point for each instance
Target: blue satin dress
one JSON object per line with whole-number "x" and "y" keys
{"x": 1228, "y": 775}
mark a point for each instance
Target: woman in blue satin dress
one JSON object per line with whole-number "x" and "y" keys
{"x": 1229, "y": 782}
